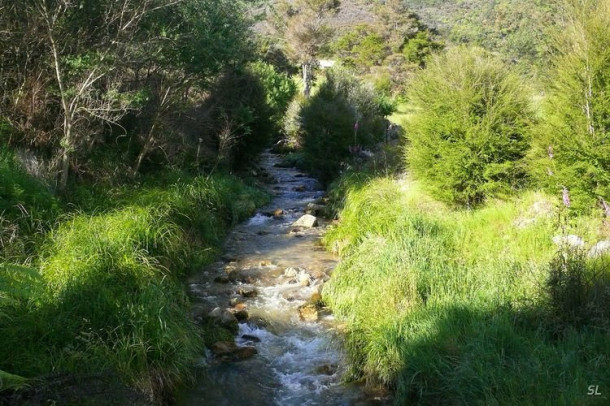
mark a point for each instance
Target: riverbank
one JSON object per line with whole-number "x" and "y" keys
{"x": 101, "y": 298}
{"x": 449, "y": 306}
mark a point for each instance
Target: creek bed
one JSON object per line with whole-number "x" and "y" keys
{"x": 271, "y": 268}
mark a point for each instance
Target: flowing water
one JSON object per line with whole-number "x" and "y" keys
{"x": 298, "y": 362}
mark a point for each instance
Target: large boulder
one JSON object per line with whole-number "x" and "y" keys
{"x": 307, "y": 221}
{"x": 225, "y": 318}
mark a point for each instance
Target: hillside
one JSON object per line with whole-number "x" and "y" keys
{"x": 517, "y": 29}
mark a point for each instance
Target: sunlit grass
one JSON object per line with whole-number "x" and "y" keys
{"x": 451, "y": 307}
{"x": 107, "y": 291}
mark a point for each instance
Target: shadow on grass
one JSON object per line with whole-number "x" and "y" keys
{"x": 458, "y": 355}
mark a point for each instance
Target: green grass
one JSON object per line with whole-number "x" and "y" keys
{"x": 453, "y": 307}
{"x": 27, "y": 210}
{"x": 404, "y": 112}
{"x": 105, "y": 291}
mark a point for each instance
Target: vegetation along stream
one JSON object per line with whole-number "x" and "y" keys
{"x": 274, "y": 271}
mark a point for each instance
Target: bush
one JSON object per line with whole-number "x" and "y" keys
{"x": 280, "y": 89}
{"x": 471, "y": 129}
{"x": 237, "y": 118}
{"x": 572, "y": 149}
{"x": 328, "y": 121}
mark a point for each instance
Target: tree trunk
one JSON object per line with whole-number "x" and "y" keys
{"x": 307, "y": 79}
{"x": 145, "y": 149}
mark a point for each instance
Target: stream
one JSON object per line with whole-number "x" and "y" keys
{"x": 269, "y": 268}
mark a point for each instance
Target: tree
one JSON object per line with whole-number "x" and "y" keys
{"x": 572, "y": 149}
{"x": 304, "y": 24}
{"x": 361, "y": 47}
{"x": 73, "y": 73}
{"x": 470, "y": 132}
{"x": 196, "y": 41}
{"x": 87, "y": 42}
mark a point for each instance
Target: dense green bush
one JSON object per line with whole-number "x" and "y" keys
{"x": 279, "y": 88}
{"x": 238, "y": 119}
{"x": 342, "y": 113}
{"x": 572, "y": 149}
{"x": 418, "y": 47}
{"x": 471, "y": 130}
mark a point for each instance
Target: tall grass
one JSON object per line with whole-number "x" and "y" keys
{"x": 27, "y": 210}
{"x": 451, "y": 307}
{"x": 107, "y": 291}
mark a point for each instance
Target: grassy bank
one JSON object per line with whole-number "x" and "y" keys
{"x": 103, "y": 290}
{"x": 469, "y": 307}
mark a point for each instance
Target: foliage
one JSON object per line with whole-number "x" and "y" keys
{"x": 70, "y": 88}
{"x": 361, "y": 47}
{"x": 239, "y": 118}
{"x": 280, "y": 89}
{"x": 341, "y": 114}
{"x": 572, "y": 147}
{"x": 516, "y": 29}
{"x": 471, "y": 129}
{"x": 419, "y": 47}
{"x": 445, "y": 305}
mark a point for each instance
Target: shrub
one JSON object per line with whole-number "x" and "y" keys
{"x": 280, "y": 89}
{"x": 328, "y": 122}
{"x": 237, "y": 118}
{"x": 419, "y": 47}
{"x": 572, "y": 149}
{"x": 470, "y": 132}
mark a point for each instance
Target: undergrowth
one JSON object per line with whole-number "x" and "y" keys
{"x": 462, "y": 307}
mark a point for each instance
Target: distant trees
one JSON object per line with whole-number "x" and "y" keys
{"x": 471, "y": 129}
{"x": 573, "y": 145}
{"x": 390, "y": 48}
{"x": 304, "y": 25}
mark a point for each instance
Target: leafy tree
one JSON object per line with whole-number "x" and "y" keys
{"x": 86, "y": 44}
{"x": 471, "y": 130}
{"x": 573, "y": 146}
{"x": 304, "y": 24}
{"x": 187, "y": 46}
{"x": 418, "y": 47}
{"x": 361, "y": 47}
{"x": 280, "y": 89}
